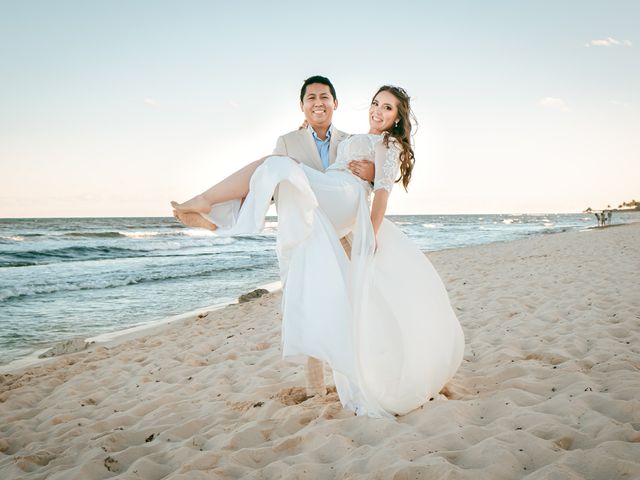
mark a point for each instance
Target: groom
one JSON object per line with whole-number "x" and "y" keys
{"x": 317, "y": 146}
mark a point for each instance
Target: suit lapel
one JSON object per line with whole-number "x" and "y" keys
{"x": 310, "y": 149}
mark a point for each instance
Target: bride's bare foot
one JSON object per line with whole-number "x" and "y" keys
{"x": 192, "y": 219}
{"x": 197, "y": 204}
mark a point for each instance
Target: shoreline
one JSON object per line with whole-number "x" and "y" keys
{"x": 124, "y": 334}
{"x": 110, "y": 339}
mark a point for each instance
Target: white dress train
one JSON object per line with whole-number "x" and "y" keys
{"x": 382, "y": 320}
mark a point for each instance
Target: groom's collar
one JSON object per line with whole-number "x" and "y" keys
{"x": 315, "y": 136}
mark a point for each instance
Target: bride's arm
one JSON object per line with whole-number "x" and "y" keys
{"x": 386, "y": 171}
{"x": 378, "y": 208}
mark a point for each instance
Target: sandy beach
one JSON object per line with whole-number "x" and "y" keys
{"x": 549, "y": 387}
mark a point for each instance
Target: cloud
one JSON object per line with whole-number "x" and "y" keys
{"x": 554, "y": 103}
{"x": 150, "y": 102}
{"x": 620, "y": 104}
{"x": 234, "y": 104}
{"x": 608, "y": 42}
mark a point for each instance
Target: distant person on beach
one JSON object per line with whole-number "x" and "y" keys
{"x": 609, "y": 215}
{"x": 597, "y": 218}
{"x": 382, "y": 318}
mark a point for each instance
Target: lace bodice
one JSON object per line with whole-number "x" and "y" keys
{"x": 369, "y": 147}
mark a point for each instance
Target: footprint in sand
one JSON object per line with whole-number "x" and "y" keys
{"x": 4, "y": 445}
{"x": 546, "y": 358}
{"x": 564, "y": 443}
{"x": 29, "y": 463}
{"x": 291, "y": 396}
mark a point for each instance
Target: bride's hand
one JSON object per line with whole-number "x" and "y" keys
{"x": 363, "y": 169}
{"x": 304, "y": 125}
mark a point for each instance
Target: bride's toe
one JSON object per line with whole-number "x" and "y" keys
{"x": 191, "y": 219}
{"x": 179, "y": 217}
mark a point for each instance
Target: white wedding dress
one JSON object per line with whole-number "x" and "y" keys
{"x": 382, "y": 320}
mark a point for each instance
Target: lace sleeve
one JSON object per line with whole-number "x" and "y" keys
{"x": 387, "y": 165}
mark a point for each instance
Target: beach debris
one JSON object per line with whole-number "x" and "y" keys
{"x": 252, "y": 295}
{"x": 72, "y": 345}
{"x": 150, "y": 438}
{"x": 111, "y": 464}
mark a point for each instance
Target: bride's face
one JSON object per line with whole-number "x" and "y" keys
{"x": 383, "y": 112}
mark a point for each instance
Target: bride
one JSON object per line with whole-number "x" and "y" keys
{"x": 381, "y": 318}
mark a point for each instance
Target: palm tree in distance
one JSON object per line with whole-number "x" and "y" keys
{"x": 631, "y": 205}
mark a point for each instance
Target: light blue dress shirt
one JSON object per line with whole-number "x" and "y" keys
{"x": 322, "y": 146}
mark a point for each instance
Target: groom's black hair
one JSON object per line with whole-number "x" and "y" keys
{"x": 317, "y": 79}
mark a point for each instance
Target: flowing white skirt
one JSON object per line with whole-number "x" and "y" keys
{"x": 382, "y": 320}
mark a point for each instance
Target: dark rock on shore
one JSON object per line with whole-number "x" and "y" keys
{"x": 252, "y": 295}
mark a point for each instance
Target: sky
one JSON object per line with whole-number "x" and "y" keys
{"x": 114, "y": 108}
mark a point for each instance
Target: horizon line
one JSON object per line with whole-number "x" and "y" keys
{"x": 389, "y": 215}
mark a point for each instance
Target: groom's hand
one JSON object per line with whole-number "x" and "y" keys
{"x": 363, "y": 169}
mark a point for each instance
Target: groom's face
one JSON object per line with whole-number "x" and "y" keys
{"x": 318, "y": 105}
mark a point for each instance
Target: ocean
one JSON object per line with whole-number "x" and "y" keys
{"x": 69, "y": 277}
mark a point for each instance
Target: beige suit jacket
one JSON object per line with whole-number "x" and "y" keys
{"x": 300, "y": 146}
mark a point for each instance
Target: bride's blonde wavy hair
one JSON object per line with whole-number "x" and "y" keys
{"x": 401, "y": 131}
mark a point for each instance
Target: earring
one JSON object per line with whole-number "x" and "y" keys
{"x": 397, "y": 124}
